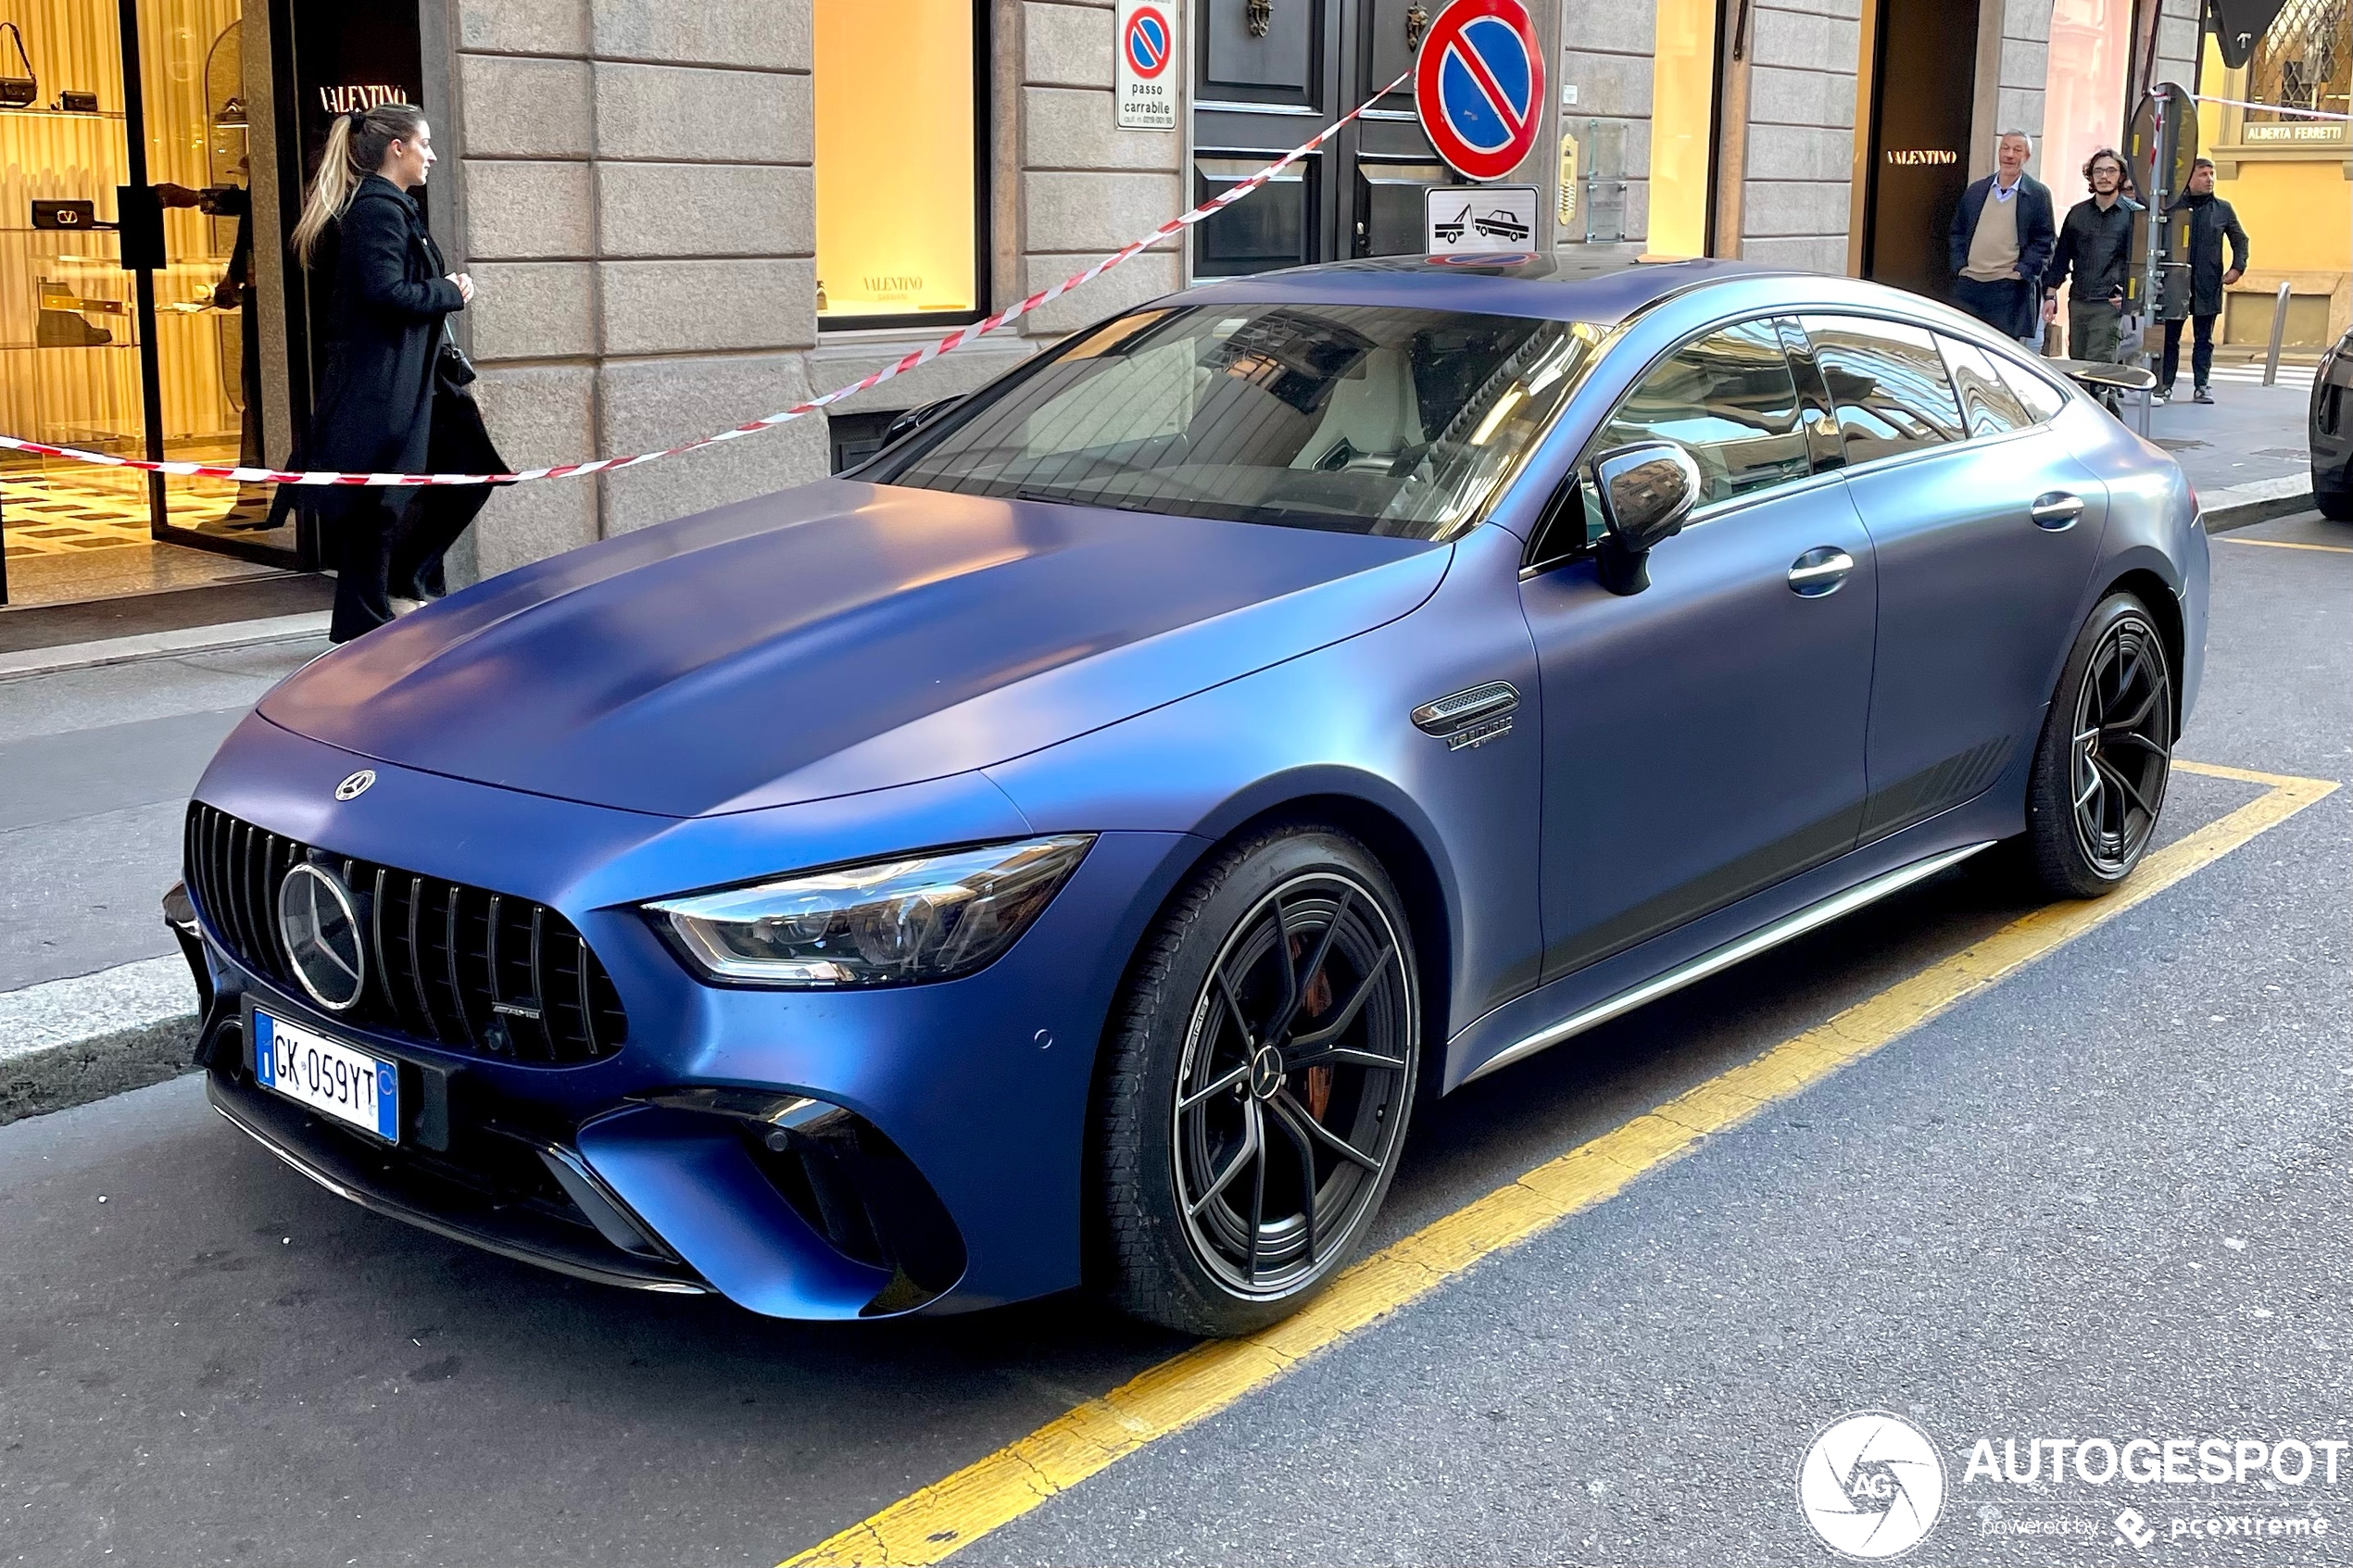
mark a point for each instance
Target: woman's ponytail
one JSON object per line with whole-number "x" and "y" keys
{"x": 355, "y": 149}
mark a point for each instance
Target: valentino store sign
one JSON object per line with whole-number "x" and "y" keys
{"x": 1914, "y": 157}
{"x": 343, "y": 98}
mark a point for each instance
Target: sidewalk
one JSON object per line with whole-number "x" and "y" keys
{"x": 2248, "y": 452}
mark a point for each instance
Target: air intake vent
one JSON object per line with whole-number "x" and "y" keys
{"x": 447, "y": 965}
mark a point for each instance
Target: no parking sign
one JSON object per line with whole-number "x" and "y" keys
{"x": 1144, "y": 88}
{"x": 1478, "y": 86}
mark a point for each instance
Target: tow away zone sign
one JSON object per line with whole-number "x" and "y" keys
{"x": 1143, "y": 79}
{"x": 1480, "y": 217}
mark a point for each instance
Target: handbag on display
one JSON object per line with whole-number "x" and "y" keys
{"x": 16, "y": 92}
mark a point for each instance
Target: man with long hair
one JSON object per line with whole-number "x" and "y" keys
{"x": 2095, "y": 247}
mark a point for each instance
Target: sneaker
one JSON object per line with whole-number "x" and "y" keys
{"x": 2199, "y": 395}
{"x": 2163, "y": 394}
{"x": 401, "y": 607}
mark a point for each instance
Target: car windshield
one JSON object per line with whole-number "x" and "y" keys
{"x": 1353, "y": 418}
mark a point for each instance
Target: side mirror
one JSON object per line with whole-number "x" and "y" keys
{"x": 1647, "y": 491}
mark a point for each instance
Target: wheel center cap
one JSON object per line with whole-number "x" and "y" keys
{"x": 1266, "y": 1072}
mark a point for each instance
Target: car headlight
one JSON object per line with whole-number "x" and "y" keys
{"x": 897, "y": 921}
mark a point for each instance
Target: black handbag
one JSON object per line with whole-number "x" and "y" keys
{"x": 450, "y": 366}
{"x": 16, "y": 92}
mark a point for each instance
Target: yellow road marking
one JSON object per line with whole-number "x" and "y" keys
{"x": 2287, "y": 545}
{"x": 934, "y": 1523}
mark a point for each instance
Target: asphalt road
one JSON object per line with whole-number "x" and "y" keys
{"x": 2108, "y": 1196}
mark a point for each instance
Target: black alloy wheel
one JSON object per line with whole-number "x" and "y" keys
{"x": 1260, "y": 1086}
{"x": 2106, "y": 754}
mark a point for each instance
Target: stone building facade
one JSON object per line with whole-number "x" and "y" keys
{"x": 633, "y": 190}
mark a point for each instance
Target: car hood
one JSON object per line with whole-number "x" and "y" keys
{"x": 836, "y": 638}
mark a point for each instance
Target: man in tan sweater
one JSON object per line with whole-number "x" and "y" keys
{"x": 2001, "y": 240}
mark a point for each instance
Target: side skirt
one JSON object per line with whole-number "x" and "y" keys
{"x": 1794, "y": 924}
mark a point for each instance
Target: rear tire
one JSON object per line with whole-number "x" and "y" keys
{"x": 1260, "y": 1071}
{"x": 2335, "y": 504}
{"x": 2105, "y": 755}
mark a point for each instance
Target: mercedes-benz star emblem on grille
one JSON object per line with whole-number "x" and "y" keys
{"x": 357, "y": 784}
{"x": 320, "y": 929}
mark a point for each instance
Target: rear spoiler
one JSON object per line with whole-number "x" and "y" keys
{"x": 2097, "y": 376}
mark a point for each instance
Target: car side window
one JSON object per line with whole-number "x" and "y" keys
{"x": 2042, "y": 400}
{"x": 1727, "y": 399}
{"x": 1987, "y": 404}
{"x": 1888, "y": 383}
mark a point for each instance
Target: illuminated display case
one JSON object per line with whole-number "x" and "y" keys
{"x": 901, "y": 168}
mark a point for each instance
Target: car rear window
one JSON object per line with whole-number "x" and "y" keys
{"x": 2042, "y": 399}
{"x": 1986, "y": 401}
{"x": 1355, "y": 418}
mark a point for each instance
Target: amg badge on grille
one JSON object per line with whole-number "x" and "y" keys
{"x": 357, "y": 784}
{"x": 1470, "y": 718}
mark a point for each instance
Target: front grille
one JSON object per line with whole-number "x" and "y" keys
{"x": 457, "y": 967}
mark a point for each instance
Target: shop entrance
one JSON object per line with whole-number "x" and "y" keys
{"x": 1923, "y": 93}
{"x": 130, "y": 303}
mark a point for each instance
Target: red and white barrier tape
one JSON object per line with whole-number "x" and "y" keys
{"x": 947, "y": 345}
{"x": 2275, "y": 109}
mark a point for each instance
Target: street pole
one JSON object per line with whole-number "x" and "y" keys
{"x": 2149, "y": 263}
{"x": 2278, "y": 330}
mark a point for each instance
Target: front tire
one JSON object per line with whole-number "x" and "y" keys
{"x": 2105, "y": 755}
{"x": 1262, "y": 1068}
{"x": 2334, "y": 504}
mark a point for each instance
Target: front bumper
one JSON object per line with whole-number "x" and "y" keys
{"x": 941, "y": 1163}
{"x": 447, "y": 1204}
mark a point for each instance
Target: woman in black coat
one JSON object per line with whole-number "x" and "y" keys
{"x": 389, "y": 300}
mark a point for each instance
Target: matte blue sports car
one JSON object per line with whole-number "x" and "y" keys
{"x": 1065, "y": 849}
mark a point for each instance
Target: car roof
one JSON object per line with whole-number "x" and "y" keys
{"x": 1604, "y": 288}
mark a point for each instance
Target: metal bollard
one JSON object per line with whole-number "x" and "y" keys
{"x": 2279, "y": 330}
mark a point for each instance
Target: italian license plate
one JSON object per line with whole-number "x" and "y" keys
{"x": 354, "y": 1087}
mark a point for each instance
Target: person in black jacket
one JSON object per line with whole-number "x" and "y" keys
{"x": 2210, "y": 220}
{"x": 2001, "y": 238}
{"x": 2095, "y": 244}
{"x": 390, "y": 299}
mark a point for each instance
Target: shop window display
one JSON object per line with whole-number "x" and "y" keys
{"x": 898, "y": 193}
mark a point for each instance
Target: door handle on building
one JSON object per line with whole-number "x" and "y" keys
{"x": 2057, "y": 509}
{"x": 1820, "y": 570}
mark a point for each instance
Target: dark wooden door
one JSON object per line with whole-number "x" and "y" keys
{"x": 1268, "y": 76}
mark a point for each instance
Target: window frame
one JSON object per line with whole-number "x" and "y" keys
{"x": 984, "y": 136}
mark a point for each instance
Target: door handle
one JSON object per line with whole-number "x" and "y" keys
{"x": 2056, "y": 509}
{"x": 1820, "y": 570}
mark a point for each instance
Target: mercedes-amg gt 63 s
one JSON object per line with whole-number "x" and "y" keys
{"x": 1064, "y": 850}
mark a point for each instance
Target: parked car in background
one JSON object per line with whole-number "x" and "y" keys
{"x": 1069, "y": 847}
{"x": 2332, "y": 432}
